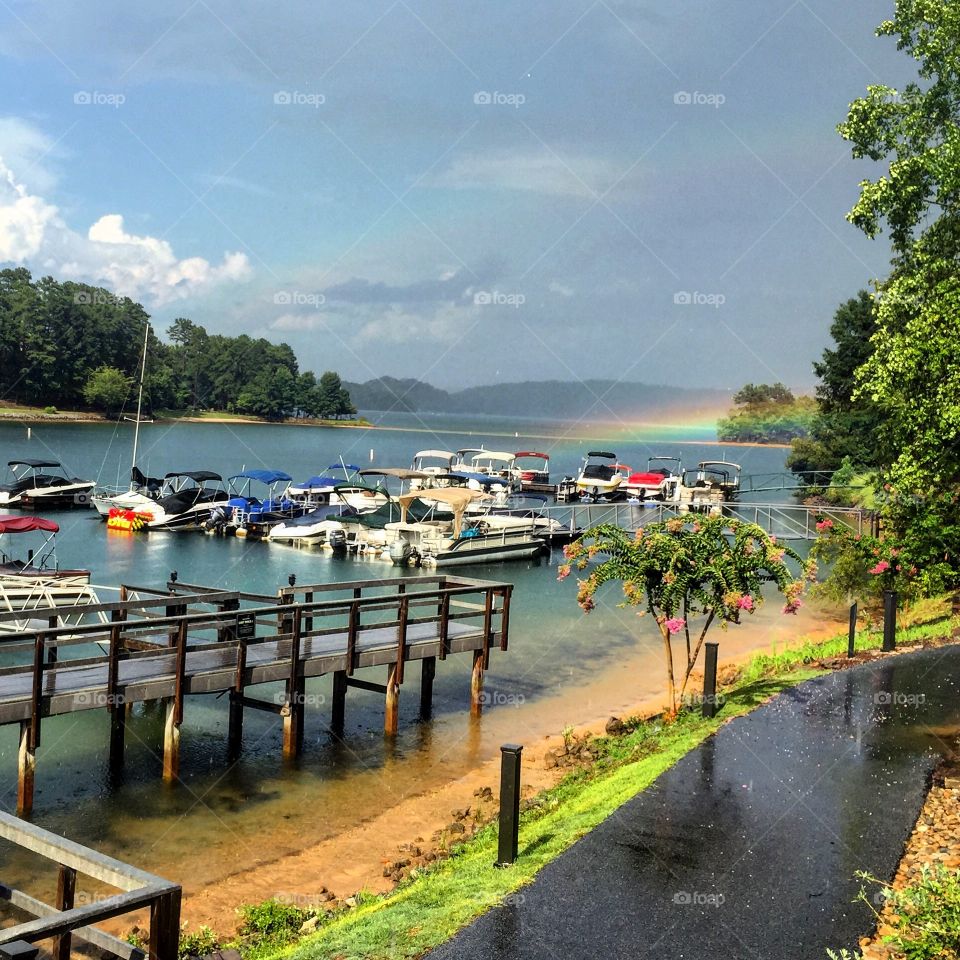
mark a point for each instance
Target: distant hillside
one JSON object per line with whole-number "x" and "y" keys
{"x": 552, "y": 399}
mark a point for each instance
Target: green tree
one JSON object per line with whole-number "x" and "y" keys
{"x": 913, "y": 374}
{"x": 845, "y": 425}
{"x": 712, "y": 568}
{"x": 107, "y": 389}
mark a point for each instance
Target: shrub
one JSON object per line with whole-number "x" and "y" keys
{"x": 273, "y": 919}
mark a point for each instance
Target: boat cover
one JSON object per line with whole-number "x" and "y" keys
{"x": 10, "y": 524}
{"x": 32, "y": 463}
{"x": 264, "y": 476}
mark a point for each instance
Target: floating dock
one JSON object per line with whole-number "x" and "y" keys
{"x": 162, "y": 645}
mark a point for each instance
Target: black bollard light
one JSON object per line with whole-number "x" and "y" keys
{"x": 509, "y": 839}
{"x": 889, "y": 620}
{"x": 709, "y": 706}
{"x": 292, "y": 579}
{"x": 852, "y": 635}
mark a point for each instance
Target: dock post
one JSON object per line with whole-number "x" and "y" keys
{"x": 26, "y": 770}
{"x": 118, "y": 725}
{"x": 296, "y": 691}
{"x": 476, "y": 684}
{"x": 889, "y": 620}
{"x": 66, "y": 888}
{"x": 171, "y": 741}
{"x": 391, "y": 719}
{"x": 339, "y": 701}
{"x": 428, "y": 670}
{"x": 165, "y": 926}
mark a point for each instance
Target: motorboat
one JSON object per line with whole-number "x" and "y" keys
{"x": 532, "y": 469}
{"x": 709, "y": 485}
{"x": 495, "y": 463}
{"x": 321, "y": 526}
{"x": 188, "y": 498}
{"x": 432, "y": 461}
{"x": 482, "y": 539}
{"x": 722, "y": 474}
{"x": 39, "y": 563}
{"x": 599, "y": 478}
{"x": 42, "y": 484}
{"x": 658, "y": 482}
{"x": 321, "y": 490}
{"x": 247, "y": 515}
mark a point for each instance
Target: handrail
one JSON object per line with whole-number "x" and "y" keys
{"x": 139, "y": 889}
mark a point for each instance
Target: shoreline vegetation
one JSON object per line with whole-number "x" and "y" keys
{"x": 441, "y": 886}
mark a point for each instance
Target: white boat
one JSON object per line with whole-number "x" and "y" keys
{"x": 659, "y": 481}
{"x": 708, "y": 486}
{"x": 41, "y": 484}
{"x": 483, "y": 539}
{"x": 599, "y": 476}
{"x": 532, "y": 469}
{"x": 322, "y": 525}
{"x": 191, "y": 495}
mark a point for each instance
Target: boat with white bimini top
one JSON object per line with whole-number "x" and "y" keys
{"x": 432, "y": 461}
{"x": 599, "y": 477}
{"x": 533, "y": 470}
{"x": 43, "y": 484}
{"x": 485, "y": 538}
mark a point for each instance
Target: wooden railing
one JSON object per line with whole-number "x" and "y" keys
{"x": 65, "y": 921}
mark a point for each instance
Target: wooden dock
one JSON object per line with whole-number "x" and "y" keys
{"x": 162, "y": 645}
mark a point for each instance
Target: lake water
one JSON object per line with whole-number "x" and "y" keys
{"x": 224, "y": 817}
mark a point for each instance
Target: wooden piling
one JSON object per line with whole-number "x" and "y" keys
{"x": 391, "y": 719}
{"x": 338, "y": 712}
{"x": 165, "y": 926}
{"x": 428, "y": 670}
{"x": 171, "y": 741}
{"x": 476, "y": 684}
{"x": 118, "y": 723}
{"x": 66, "y": 887}
{"x": 26, "y": 770}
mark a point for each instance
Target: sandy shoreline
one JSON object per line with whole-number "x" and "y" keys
{"x": 354, "y": 859}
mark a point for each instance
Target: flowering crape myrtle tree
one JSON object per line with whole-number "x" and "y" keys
{"x": 712, "y": 569}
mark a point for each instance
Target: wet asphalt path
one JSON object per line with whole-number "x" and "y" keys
{"x": 748, "y": 847}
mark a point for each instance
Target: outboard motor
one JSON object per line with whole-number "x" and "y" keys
{"x": 218, "y": 519}
{"x": 400, "y": 552}
{"x": 337, "y": 541}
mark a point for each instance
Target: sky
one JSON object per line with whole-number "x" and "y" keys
{"x": 463, "y": 193}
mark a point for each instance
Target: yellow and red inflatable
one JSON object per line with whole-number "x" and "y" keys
{"x": 128, "y": 520}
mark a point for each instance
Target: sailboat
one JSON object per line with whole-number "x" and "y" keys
{"x": 143, "y": 491}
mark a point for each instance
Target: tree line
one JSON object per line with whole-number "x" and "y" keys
{"x": 68, "y": 345}
{"x": 766, "y": 413}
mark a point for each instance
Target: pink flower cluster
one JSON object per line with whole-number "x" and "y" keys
{"x": 824, "y": 525}
{"x": 745, "y": 602}
{"x": 675, "y": 624}
{"x": 881, "y": 567}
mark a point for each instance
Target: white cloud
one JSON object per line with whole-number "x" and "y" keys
{"x": 25, "y": 148}
{"x": 32, "y": 232}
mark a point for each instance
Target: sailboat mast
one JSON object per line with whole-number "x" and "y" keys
{"x": 143, "y": 371}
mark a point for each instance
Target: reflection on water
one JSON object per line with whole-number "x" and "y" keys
{"x": 561, "y": 667}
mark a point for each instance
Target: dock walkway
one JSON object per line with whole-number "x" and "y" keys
{"x": 163, "y": 645}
